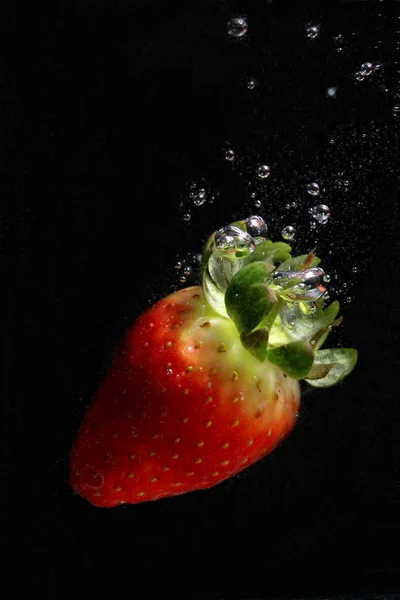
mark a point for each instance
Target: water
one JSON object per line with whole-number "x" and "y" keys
{"x": 279, "y": 98}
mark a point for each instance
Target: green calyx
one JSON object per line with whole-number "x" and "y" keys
{"x": 276, "y": 301}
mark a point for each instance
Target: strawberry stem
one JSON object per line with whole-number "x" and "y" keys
{"x": 275, "y": 300}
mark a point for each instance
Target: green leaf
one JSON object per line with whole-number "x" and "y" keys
{"x": 256, "y": 342}
{"x": 278, "y": 252}
{"x": 331, "y": 366}
{"x": 296, "y": 263}
{"x": 223, "y": 269}
{"x": 248, "y": 298}
{"x": 307, "y": 327}
{"x": 261, "y": 250}
{"x": 321, "y": 335}
{"x": 207, "y": 252}
{"x": 294, "y": 359}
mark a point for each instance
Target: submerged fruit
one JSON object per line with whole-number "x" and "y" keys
{"x": 207, "y": 380}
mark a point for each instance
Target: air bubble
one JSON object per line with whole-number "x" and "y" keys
{"x": 256, "y": 226}
{"x": 308, "y": 286}
{"x": 251, "y": 83}
{"x": 313, "y": 188}
{"x": 366, "y": 69}
{"x": 187, "y": 271}
{"x": 258, "y": 204}
{"x": 331, "y": 92}
{"x": 396, "y": 110}
{"x": 199, "y": 196}
{"x": 327, "y": 278}
{"x": 186, "y": 217}
{"x": 288, "y": 233}
{"x": 237, "y": 27}
{"x": 339, "y": 41}
{"x": 312, "y": 30}
{"x": 233, "y": 242}
{"x": 229, "y": 155}
{"x": 263, "y": 171}
{"x": 354, "y": 269}
{"x": 321, "y": 213}
{"x": 178, "y": 265}
{"x": 198, "y": 193}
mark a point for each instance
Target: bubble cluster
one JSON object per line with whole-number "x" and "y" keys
{"x": 187, "y": 267}
{"x": 198, "y": 195}
{"x": 365, "y": 70}
{"x": 339, "y": 42}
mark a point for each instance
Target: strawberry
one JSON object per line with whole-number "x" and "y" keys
{"x": 206, "y": 381}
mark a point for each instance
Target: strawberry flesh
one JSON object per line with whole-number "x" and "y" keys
{"x": 183, "y": 407}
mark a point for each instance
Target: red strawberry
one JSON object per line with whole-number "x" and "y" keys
{"x": 206, "y": 381}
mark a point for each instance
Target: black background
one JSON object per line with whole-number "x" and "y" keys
{"x": 107, "y": 112}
